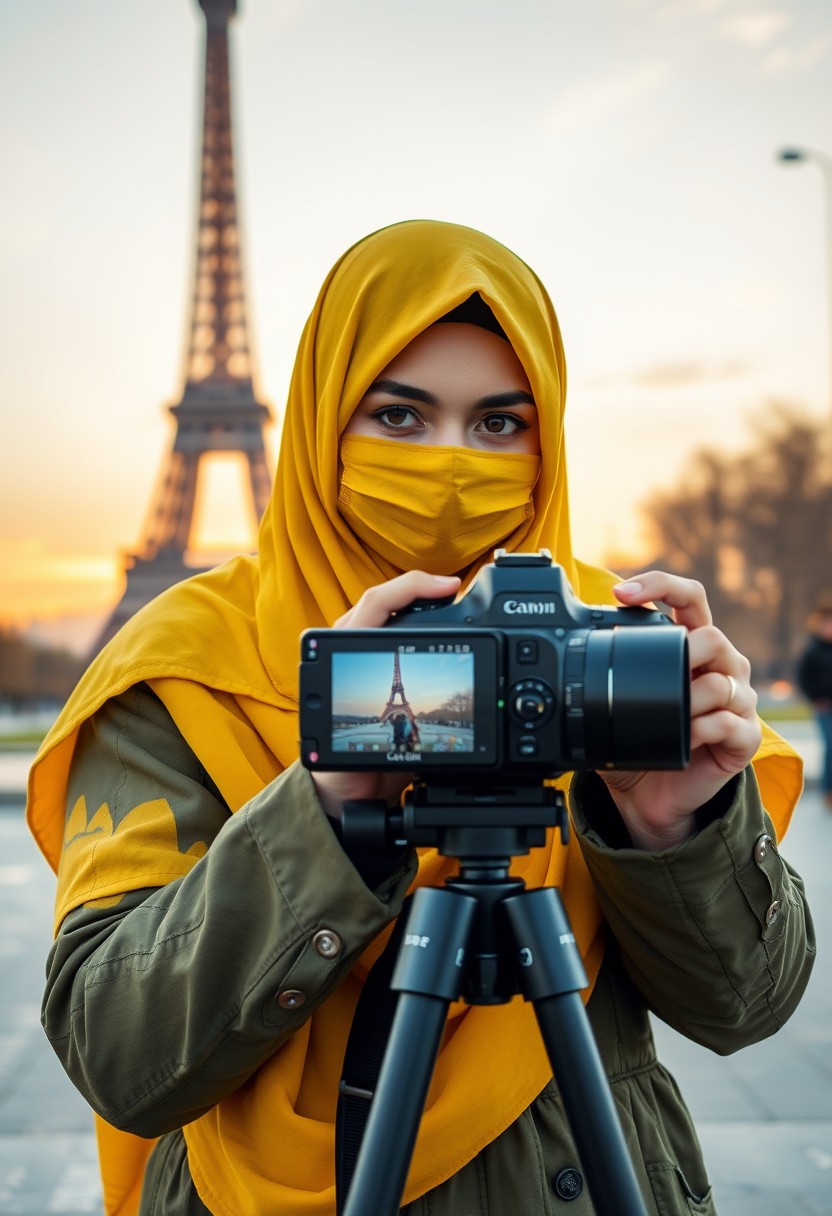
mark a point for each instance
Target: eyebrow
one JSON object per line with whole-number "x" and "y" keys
{"x": 409, "y": 392}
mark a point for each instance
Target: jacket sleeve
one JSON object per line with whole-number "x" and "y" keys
{"x": 162, "y": 1002}
{"x": 715, "y": 933}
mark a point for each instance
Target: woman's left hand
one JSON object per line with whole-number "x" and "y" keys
{"x": 659, "y": 807}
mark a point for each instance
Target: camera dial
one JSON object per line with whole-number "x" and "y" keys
{"x": 531, "y": 703}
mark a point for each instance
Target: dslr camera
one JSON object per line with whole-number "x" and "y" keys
{"x": 518, "y": 678}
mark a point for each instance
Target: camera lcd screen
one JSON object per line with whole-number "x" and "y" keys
{"x": 382, "y": 701}
{"x": 404, "y": 702}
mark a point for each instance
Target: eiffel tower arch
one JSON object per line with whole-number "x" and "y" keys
{"x": 219, "y": 410}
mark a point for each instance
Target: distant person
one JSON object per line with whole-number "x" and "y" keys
{"x": 402, "y": 731}
{"x": 214, "y": 932}
{"x": 410, "y": 734}
{"x": 814, "y": 678}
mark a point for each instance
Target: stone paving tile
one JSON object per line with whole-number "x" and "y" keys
{"x": 769, "y": 1169}
{"x": 40, "y": 1176}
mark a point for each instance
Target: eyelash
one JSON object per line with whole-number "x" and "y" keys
{"x": 519, "y": 425}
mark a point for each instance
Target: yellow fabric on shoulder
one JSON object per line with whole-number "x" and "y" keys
{"x": 221, "y": 651}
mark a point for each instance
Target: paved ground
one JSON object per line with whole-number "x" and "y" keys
{"x": 764, "y": 1115}
{"x": 47, "y": 1154}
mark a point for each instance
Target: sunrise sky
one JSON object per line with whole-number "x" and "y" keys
{"x": 625, "y": 148}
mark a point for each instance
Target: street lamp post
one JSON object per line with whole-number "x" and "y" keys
{"x": 792, "y": 156}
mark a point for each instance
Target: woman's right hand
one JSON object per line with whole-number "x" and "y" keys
{"x": 371, "y": 612}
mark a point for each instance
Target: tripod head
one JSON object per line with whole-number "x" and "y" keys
{"x": 473, "y": 821}
{"x": 483, "y": 827}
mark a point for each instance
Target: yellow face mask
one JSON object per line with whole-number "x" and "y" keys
{"x": 433, "y": 508}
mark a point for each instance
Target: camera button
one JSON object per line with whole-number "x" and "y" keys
{"x": 527, "y": 745}
{"x": 527, "y": 651}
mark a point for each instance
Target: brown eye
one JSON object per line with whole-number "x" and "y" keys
{"x": 396, "y": 417}
{"x": 502, "y": 424}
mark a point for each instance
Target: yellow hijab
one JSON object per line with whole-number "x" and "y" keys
{"x": 221, "y": 651}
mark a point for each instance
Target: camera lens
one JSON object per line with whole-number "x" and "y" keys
{"x": 636, "y": 700}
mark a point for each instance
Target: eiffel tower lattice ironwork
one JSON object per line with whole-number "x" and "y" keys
{"x": 399, "y": 710}
{"x": 393, "y": 706}
{"x": 218, "y": 410}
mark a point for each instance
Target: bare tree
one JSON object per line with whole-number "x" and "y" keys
{"x": 694, "y": 525}
{"x": 756, "y": 530}
{"x": 785, "y": 530}
{"x": 31, "y": 674}
{"x": 459, "y": 707}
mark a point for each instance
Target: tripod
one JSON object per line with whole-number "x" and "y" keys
{"x": 483, "y": 937}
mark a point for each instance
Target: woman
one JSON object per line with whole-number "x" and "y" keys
{"x": 213, "y": 934}
{"x": 814, "y": 678}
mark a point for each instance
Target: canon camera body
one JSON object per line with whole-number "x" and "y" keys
{"x": 518, "y": 677}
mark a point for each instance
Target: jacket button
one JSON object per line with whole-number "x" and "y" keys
{"x": 291, "y": 998}
{"x": 327, "y": 943}
{"x": 761, "y": 846}
{"x": 568, "y": 1184}
{"x": 772, "y": 912}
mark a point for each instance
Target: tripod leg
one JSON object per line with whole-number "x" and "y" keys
{"x": 581, "y": 1079}
{"x": 428, "y": 974}
{"x": 550, "y": 975}
{"x": 393, "y": 1122}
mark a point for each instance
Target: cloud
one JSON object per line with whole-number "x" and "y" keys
{"x": 685, "y": 374}
{"x": 280, "y": 16}
{"x": 681, "y": 375}
{"x": 768, "y": 33}
{"x": 685, "y": 10}
{"x": 791, "y": 61}
{"x": 596, "y": 100}
{"x": 754, "y": 29}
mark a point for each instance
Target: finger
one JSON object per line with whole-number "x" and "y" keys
{"x": 377, "y": 603}
{"x": 716, "y": 691}
{"x": 710, "y": 650}
{"x": 685, "y": 596}
{"x": 733, "y": 740}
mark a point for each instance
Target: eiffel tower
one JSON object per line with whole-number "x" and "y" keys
{"x": 393, "y": 707}
{"x": 218, "y": 410}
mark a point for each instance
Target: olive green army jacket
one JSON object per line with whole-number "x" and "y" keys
{"x": 712, "y": 936}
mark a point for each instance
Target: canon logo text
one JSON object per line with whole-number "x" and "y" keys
{"x": 528, "y": 607}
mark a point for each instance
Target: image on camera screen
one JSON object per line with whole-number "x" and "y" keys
{"x": 404, "y": 703}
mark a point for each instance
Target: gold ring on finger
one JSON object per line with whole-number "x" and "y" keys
{"x": 732, "y": 690}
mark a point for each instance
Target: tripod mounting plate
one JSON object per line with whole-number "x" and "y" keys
{"x": 460, "y": 820}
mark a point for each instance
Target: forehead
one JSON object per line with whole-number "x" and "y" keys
{"x": 459, "y": 353}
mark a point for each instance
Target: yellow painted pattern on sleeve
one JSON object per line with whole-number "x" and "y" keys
{"x": 100, "y": 861}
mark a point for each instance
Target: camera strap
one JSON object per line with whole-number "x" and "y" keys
{"x": 370, "y": 1030}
